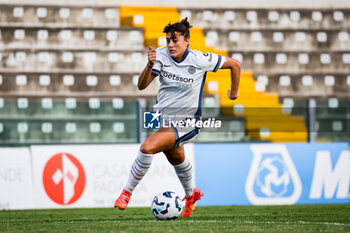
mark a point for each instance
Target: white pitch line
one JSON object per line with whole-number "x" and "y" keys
{"x": 84, "y": 220}
{"x": 297, "y": 222}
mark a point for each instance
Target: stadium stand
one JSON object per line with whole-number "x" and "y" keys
{"x": 53, "y": 55}
{"x": 68, "y": 120}
{"x": 62, "y": 78}
{"x": 49, "y": 15}
{"x": 44, "y": 37}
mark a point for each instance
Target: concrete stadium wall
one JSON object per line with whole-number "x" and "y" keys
{"x": 195, "y": 3}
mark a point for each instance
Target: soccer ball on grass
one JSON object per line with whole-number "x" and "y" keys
{"x": 166, "y": 206}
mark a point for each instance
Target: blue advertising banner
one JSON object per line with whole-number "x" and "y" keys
{"x": 273, "y": 174}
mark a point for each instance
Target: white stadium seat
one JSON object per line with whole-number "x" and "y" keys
{"x": 119, "y": 127}
{"x": 316, "y": 16}
{"x": 303, "y": 58}
{"x": 18, "y": 12}
{"x": 307, "y": 80}
{"x": 43, "y": 34}
{"x": 44, "y": 80}
{"x": 273, "y": 16}
{"x": 91, "y": 80}
{"x": 118, "y": 103}
{"x": 333, "y": 103}
{"x": 294, "y": 16}
{"x": 114, "y": 80}
{"x": 278, "y": 37}
{"x": 21, "y": 80}
{"x": 256, "y": 36}
{"x": 300, "y": 36}
{"x": 95, "y": 127}
{"x": 22, "y": 127}
{"x": 281, "y": 58}
{"x": 259, "y": 58}
{"x": 70, "y": 103}
{"x": 94, "y": 103}
{"x": 22, "y": 103}
{"x": 68, "y": 80}
{"x": 64, "y": 13}
{"x": 325, "y": 58}
{"x": 321, "y": 37}
{"x": 87, "y": 13}
{"x": 229, "y": 15}
{"x": 338, "y": 16}
{"x": 71, "y": 127}
{"x": 329, "y": 80}
{"x": 252, "y": 16}
{"x": 284, "y": 80}
{"x": 41, "y": 12}
{"x": 47, "y": 103}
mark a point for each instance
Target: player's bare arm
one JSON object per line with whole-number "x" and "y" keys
{"x": 235, "y": 67}
{"x": 146, "y": 77}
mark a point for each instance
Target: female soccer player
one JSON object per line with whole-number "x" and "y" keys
{"x": 182, "y": 74}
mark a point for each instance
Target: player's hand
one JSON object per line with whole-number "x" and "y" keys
{"x": 152, "y": 56}
{"x": 231, "y": 95}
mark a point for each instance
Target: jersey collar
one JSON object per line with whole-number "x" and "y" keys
{"x": 184, "y": 56}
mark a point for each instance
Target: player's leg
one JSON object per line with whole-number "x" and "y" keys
{"x": 183, "y": 168}
{"x": 163, "y": 139}
{"x": 184, "y": 171}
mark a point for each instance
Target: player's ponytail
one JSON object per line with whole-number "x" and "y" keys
{"x": 186, "y": 23}
{"x": 183, "y": 27}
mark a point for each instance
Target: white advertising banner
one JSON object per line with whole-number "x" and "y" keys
{"x": 94, "y": 175}
{"x": 15, "y": 179}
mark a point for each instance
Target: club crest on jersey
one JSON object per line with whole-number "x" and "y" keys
{"x": 191, "y": 70}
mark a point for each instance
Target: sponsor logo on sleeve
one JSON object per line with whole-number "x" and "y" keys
{"x": 210, "y": 55}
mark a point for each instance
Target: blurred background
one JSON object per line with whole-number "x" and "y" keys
{"x": 68, "y": 71}
{"x": 68, "y": 87}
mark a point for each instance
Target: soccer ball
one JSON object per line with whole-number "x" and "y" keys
{"x": 166, "y": 206}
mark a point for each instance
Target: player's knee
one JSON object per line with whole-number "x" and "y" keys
{"x": 175, "y": 160}
{"x": 147, "y": 148}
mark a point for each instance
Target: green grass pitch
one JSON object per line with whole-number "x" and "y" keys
{"x": 296, "y": 218}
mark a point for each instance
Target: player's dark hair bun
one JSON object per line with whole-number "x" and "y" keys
{"x": 183, "y": 27}
{"x": 186, "y": 23}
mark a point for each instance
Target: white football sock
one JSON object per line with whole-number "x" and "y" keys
{"x": 138, "y": 170}
{"x": 184, "y": 172}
